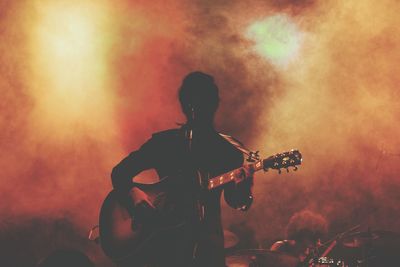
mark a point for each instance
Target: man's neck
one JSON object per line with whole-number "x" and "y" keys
{"x": 201, "y": 125}
{"x": 201, "y": 128}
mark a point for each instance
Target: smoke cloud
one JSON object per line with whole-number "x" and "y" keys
{"x": 83, "y": 83}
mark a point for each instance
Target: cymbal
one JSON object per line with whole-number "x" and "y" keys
{"x": 371, "y": 238}
{"x": 230, "y": 239}
{"x": 261, "y": 257}
{"x": 373, "y": 248}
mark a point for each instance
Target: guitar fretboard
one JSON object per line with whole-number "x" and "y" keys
{"x": 232, "y": 175}
{"x": 277, "y": 161}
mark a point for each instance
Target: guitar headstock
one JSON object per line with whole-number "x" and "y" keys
{"x": 284, "y": 160}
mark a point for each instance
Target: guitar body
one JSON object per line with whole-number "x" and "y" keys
{"x": 124, "y": 239}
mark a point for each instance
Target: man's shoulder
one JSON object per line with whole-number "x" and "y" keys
{"x": 170, "y": 133}
{"x": 161, "y": 139}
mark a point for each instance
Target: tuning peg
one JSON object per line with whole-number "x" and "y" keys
{"x": 295, "y": 168}
{"x": 287, "y": 169}
{"x": 279, "y": 171}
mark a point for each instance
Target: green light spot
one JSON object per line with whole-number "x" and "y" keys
{"x": 276, "y": 38}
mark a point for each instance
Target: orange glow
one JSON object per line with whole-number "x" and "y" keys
{"x": 70, "y": 46}
{"x": 83, "y": 83}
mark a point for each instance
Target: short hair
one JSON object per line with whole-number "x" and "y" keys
{"x": 199, "y": 91}
{"x": 306, "y": 225}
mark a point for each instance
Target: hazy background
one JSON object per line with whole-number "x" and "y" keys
{"x": 83, "y": 83}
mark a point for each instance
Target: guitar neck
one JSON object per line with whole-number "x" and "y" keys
{"x": 284, "y": 160}
{"x": 232, "y": 175}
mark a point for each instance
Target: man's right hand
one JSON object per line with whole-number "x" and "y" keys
{"x": 144, "y": 211}
{"x": 140, "y": 198}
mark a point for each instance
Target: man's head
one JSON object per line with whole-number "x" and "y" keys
{"x": 199, "y": 97}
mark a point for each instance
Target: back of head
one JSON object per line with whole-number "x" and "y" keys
{"x": 306, "y": 225}
{"x": 199, "y": 93}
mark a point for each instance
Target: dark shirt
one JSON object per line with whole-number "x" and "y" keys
{"x": 168, "y": 153}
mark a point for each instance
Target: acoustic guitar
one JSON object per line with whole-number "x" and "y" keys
{"x": 124, "y": 240}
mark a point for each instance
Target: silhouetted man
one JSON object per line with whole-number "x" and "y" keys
{"x": 195, "y": 147}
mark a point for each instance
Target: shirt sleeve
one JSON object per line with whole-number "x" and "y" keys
{"x": 133, "y": 164}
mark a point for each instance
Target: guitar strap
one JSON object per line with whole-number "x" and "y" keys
{"x": 251, "y": 155}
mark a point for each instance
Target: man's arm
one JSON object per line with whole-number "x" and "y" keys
{"x": 239, "y": 196}
{"x": 133, "y": 164}
{"x": 122, "y": 174}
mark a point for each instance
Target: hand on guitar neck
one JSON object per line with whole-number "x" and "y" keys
{"x": 247, "y": 173}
